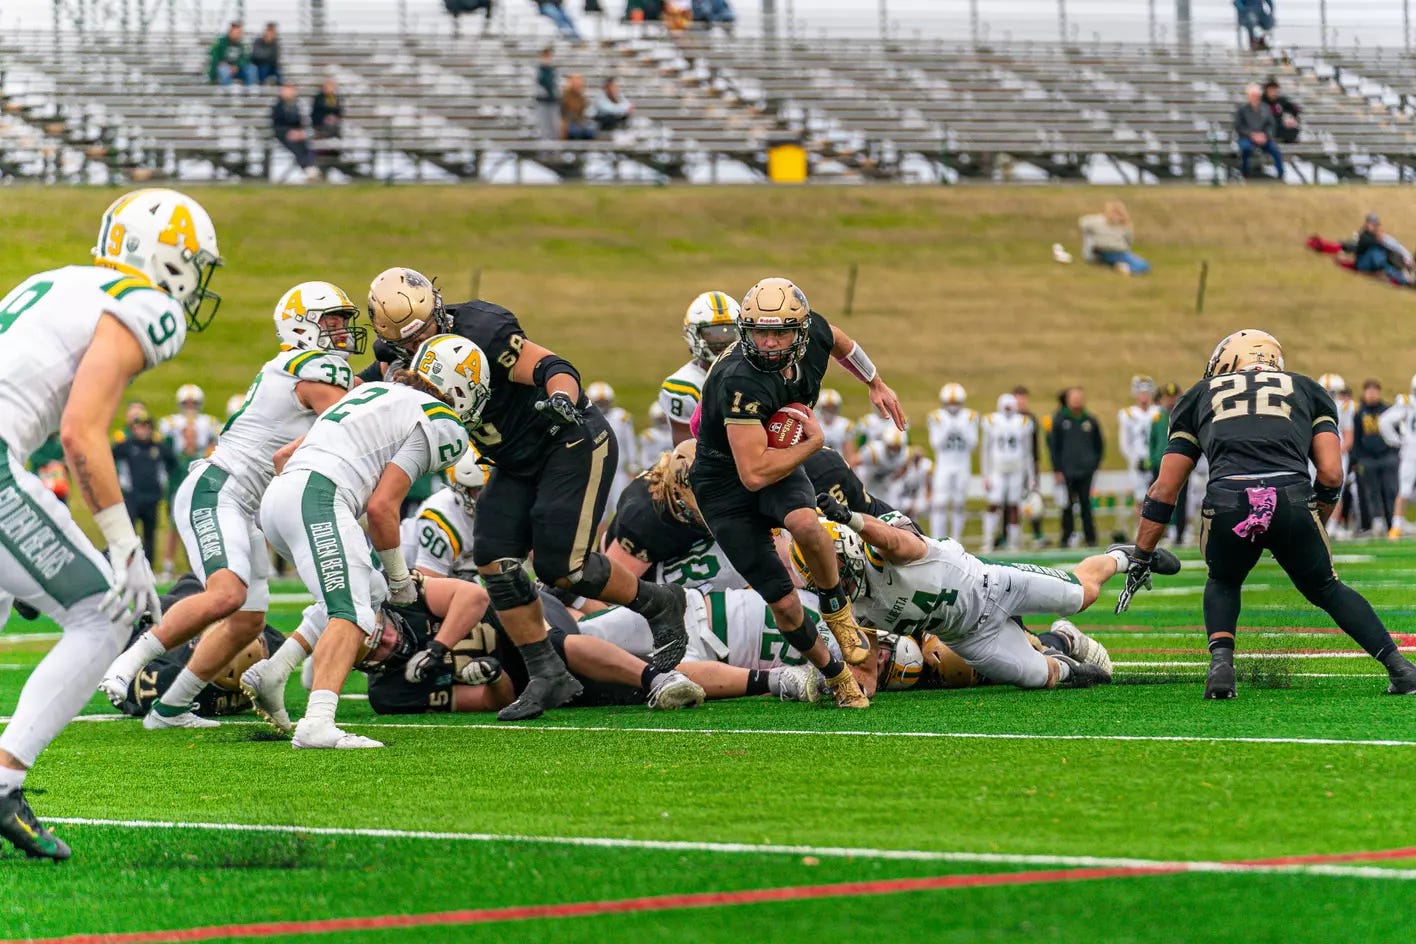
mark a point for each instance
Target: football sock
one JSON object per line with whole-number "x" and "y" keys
{"x": 180, "y": 694}
{"x": 541, "y": 659}
{"x": 647, "y": 677}
{"x": 1221, "y": 609}
{"x": 1064, "y": 669}
{"x": 147, "y": 648}
{"x": 832, "y": 600}
{"x": 1355, "y": 616}
{"x": 1123, "y": 563}
{"x": 957, "y": 532}
{"x": 1015, "y": 533}
{"x": 288, "y": 656}
{"x": 833, "y": 668}
{"x": 11, "y": 780}
{"x": 320, "y": 709}
{"x": 763, "y": 683}
{"x": 1056, "y": 641}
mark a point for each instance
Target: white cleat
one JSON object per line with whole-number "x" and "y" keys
{"x": 328, "y": 737}
{"x": 115, "y": 686}
{"x": 152, "y": 721}
{"x": 261, "y": 684}
{"x": 675, "y": 690}
{"x": 799, "y": 683}
{"x": 1084, "y": 648}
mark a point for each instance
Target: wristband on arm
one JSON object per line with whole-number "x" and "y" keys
{"x": 858, "y": 363}
{"x": 395, "y": 567}
{"x": 115, "y": 524}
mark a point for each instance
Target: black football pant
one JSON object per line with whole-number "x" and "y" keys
{"x": 1377, "y": 489}
{"x": 144, "y": 515}
{"x": 1297, "y": 540}
{"x": 1079, "y": 492}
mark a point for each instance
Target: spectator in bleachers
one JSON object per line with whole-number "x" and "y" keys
{"x": 554, "y": 10}
{"x": 612, "y": 109}
{"x": 1107, "y": 238}
{"x": 459, "y": 8}
{"x": 230, "y": 58}
{"x": 576, "y": 123}
{"x": 327, "y": 110}
{"x": 1255, "y": 128}
{"x": 265, "y": 56}
{"x": 1256, "y": 17}
{"x": 714, "y": 12}
{"x": 548, "y": 118}
{"x": 288, "y": 123}
{"x": 643, "y": 11}
{"x": 1285, "y": 112}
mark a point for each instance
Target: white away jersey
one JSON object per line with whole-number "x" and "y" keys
{"x": 942, "y": 593}
{"x": 271, "y": 416}
{"x": 878, "y": 466}
{"x": 438, "y": 539}
{"x": 680, "y": 393}
{"x": 191, "y": 436}
{"x": 953, "y": 437}
{"x": 705, "y": 564}
{"x": 1398, "y": 424}
{"x": 1133, "y": 426}
{"x": 654, "y": 441}
{"x": 738, "y": 628}
{"x": 375, "y": 425}
{"x": 622, "y": 424}
{"x": 835, "y": 430}
{"x": 1007, "y": 444}
{"x": 47, "y": 323}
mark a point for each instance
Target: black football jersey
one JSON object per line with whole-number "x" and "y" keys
{"x": 737, "y": 392}
{"x": 646, "y": 532}
{"x": 830, "y": 474}
{"x": 1252, "y": 423}
{"x": 512, "y": 434}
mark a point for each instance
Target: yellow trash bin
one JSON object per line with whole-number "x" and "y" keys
{"x": 786, "y": 163}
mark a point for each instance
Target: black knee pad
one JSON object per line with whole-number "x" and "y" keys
{"x": 509, "y": 587}
{"x": 590, "y": 580}
{"x": 802, "y": 638}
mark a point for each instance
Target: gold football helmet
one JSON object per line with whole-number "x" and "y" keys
{"x": 401, "y": 304}
{"x": 669, "y": 486}
{"x": 229, "y": 678}
{"x": 1249, "y": 349}
{"x": 774, "y": 305}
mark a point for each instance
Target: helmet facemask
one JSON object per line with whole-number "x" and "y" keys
{"x": 778, "y": 359}
{"x": 346, "y": 338}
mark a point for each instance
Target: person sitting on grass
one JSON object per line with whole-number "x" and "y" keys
{"x": 1107, "y": 238}
{"x": 1371, "y": 249}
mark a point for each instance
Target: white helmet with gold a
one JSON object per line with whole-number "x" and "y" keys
{"x": 319, "y": 316}
{"x": 458, "y": 369}
{"x": 952, "y": 395}
{"x": 601, "y": 394}
{"x": 165, "y": 238}
{"x": 466, "y": 479}
{"x": 850, "y": 559}
{"x": 710, "y": 325}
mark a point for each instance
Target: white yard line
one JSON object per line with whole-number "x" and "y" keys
{"x": 740, "y": 848}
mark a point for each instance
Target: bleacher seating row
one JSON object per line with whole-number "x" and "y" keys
{"x": 102, "y": 106}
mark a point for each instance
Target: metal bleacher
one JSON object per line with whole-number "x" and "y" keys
{"x": 97, "y": 106}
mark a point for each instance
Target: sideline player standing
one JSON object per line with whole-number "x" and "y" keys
{"x": 1259, "y": 425}
{"x": 553, "y": 461}
{"x": 745, "y": 489}
{"x": 73, "y": 339}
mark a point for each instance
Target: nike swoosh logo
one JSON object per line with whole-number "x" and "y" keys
{"x": 572, "y": 445}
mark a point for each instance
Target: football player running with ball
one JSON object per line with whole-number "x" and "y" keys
{"x": 217, "y": 505}
{"x": 745, "y": 488}
{"x": 1259, "y": 424}
{"x": 361, "y": 457}
{"x": 74, "y": 338}
{"x": 553, "y": 460}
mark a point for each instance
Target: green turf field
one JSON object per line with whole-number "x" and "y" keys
{"x": 1137, "y": 812}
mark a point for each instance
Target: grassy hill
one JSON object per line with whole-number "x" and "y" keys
{"x": 954, "y": 284}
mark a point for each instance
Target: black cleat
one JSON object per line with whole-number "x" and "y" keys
{"x": 1220, "y": 683}
{"x": 18, "y": 824}
{"x": 1083, "y": 675}
{"x": 1403, "y": 677}
{"x": 1163, "y": 562}
{"x": 541, "y": 693}
{"x": 666, "y": 623}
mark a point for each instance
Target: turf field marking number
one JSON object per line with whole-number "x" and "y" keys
{"x": 1245, "y": 394}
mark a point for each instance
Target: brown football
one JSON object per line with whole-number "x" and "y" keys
{"x": 784, "y": 429}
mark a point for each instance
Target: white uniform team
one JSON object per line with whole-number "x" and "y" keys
{"x": 953, "y": 435}
{"x": 437, "y": 538}
{"x": 1133, "y": 424}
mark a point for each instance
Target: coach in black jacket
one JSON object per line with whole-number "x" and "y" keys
{"x": 1076, "y": 446}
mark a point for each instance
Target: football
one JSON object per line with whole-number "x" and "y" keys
{"x": 785, "y": 429}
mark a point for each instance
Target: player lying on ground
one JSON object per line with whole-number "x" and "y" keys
{"x": 1259, "y": 424}
{"x": 553, "y": 459}
{"x": 223, "y": 696}
{"x": 745, "y": 488}
{"x": 456, "y": 657}
{"x": 217, "y": 505}
{"x": 361, "y": 456}
{"x": 908, "y": 584}
{"x": 75, "y": 337}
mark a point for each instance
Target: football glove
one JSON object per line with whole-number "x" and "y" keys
{"x": 560, "y": 408}
{"x": 409, "y": 592}
{"x": 483, "y": 670}
{"x": 133, "y": 591}
{"x": 422, "y": 664}
{"x": 833, "y": 510}
{"x": 1138, "y": 577}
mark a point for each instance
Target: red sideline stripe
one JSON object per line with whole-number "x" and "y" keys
{"x": 589, "y": 908}
{"x": 1386, "y": 855}
{"x": 1192, "y": 651}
